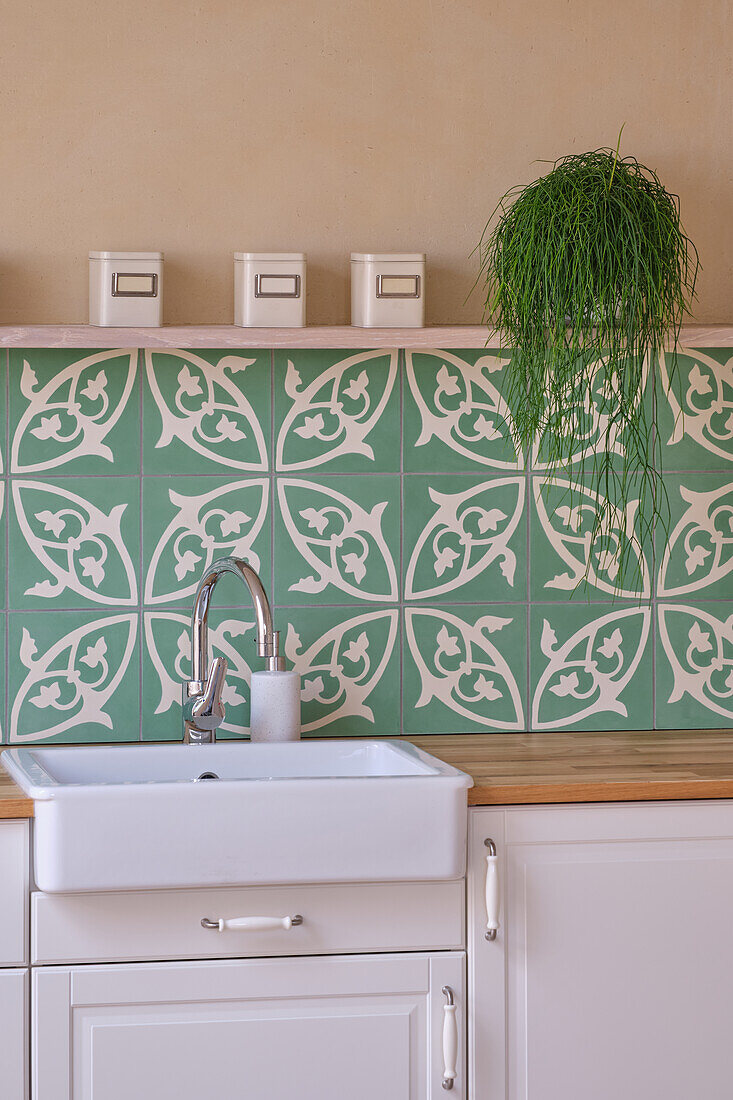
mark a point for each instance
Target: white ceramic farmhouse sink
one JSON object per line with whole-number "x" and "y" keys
{"x": 143, "y": 817}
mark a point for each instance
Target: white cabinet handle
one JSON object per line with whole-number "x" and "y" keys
{"x": 252, "y": 924}
{"x": 450, "y": 1039}
{"x": 492, "y": 890}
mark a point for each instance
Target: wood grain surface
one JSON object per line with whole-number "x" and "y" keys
{"x": 512, "y": 769}
{"x": 13, "y": 803}
{"x": 313, "y": 336}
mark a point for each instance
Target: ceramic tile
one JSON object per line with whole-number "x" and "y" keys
{"x": 74, "y": 677}
{"x": 337, "y": 540}
{"x": 591, "y": 667}
{"x": 337, "y": 412}
{"x": 167, "y": 663}
{"x": 190, "y": 522}
{"x": 74, "y": 542}
{"x": 563, "y": 514}
{"x": 593, "y": 428}
{"x": 348, "y": 661}
{"x": 3, "y": 410}
{"x": 455, "y": 417}
{"x": 465, "y": 670}
{"x": 465, "y": 538}
{"x": 694, "y": 676}
{"x": 73, "y": 412}
{"x": 206, "y": 412}
{"x": 5, "y": 584}
{"x": 4, "y": 709}
{"x": 695, "y": 553}
{"x": 695, "y": 409}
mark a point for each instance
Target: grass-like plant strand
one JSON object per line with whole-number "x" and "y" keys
{"x": 588, "y": 275}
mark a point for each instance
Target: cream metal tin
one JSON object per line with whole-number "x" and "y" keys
{"x": 388, "y": 289}
{"x": 126, "y": 289}
{"x": 269, "y": 289}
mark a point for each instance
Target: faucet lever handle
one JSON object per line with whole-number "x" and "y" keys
{"x": 209, "y": 709}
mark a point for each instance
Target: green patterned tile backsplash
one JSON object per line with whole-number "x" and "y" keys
{"x": 423, "y": 574}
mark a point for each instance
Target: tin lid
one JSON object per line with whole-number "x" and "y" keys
{"x": 388, "y": 257}
{"x": 271, "y": 257}
{"x": 125, "y": 255}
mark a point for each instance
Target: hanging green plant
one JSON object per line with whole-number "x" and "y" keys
{"x": 588, "y": 276}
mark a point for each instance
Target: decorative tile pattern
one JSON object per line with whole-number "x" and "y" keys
{"x": 465, "y": 539}
{"x": 591, "y": 667}
{"x": 464, "y": 669}
{"x": 455, "y": 417}
{"x": 190, "y": 522}
{"x": 696, "y": 419}
{"x": 74, "y": 542}
{"x": 3, "y": 411}
{"x": 571, "y": 559}
{"x": 696, "y": 556}
{"x": 167, "y": 663}
{"x": 348, "y": 662}
{"x": 424, "y": 573}
{"x": 206, "y": 412}
{"x": 695, "y": 665}
{"x": 72, "y": 413}
{"x": 336, "y": 412}
{"x": 3, "y": 542}
{"x": 73, "y": 678}
{"x": 337, "y": 540}
{"x": 593, "y": 426}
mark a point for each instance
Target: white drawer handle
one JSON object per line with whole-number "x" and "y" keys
{"x": 492, "y": 890}
{"x": 252, "y": 924}
{"x": 450, "y": 1039}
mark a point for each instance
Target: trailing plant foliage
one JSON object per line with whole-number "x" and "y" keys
{"x": 588, "y": 275}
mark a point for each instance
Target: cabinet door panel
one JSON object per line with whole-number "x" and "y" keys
{"x": 486, "y": 965}
{"x": 613, "y": 966}
{"x": 621, "y": 970}
{"x": 13, "y": 1030}
{"x": 14, "y": 873}
{"x": 287, "y": 1029}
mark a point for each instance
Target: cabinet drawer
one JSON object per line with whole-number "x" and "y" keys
{"x": 166, "y": 924}
{"x": 14, "y": 870}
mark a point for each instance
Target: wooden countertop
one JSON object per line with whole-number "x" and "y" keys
{"x": 515, "y": 768}
{"x": 526, "y": 768}
{"x": 13, "y": 803}
{"x": 313, "y": 336}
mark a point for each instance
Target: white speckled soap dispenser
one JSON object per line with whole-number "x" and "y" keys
{"x": 275, "y": 706}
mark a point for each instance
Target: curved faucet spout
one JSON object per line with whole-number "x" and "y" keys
{"x": 267, "y": 638}
{"x": 203, "y": 710}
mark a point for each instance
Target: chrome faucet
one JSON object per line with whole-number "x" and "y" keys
{"x": 203, "y": 710}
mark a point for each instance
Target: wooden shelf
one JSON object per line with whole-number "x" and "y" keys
{"x": 341, "y": 336}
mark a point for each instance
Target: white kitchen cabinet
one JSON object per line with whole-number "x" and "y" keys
{"x": 14, "y": 1034}
{"x": 330, "y": 1028}
{"x": 14, "y": 874}
{"x": 611, "y": 975}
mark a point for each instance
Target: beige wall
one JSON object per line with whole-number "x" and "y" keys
{"x": 202, "y": 127}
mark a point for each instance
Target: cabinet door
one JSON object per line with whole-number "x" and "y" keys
{"x": 486, "y": 965}
{"x": 616, "y": 950}
{"x": 14, "y": 1032}
{"x": 14, "y": 874}
{"x": 286, "y": 1029}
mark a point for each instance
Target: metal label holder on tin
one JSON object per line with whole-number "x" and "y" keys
{"x": 260, "y": 293}
{"x": 414, "y": 279}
